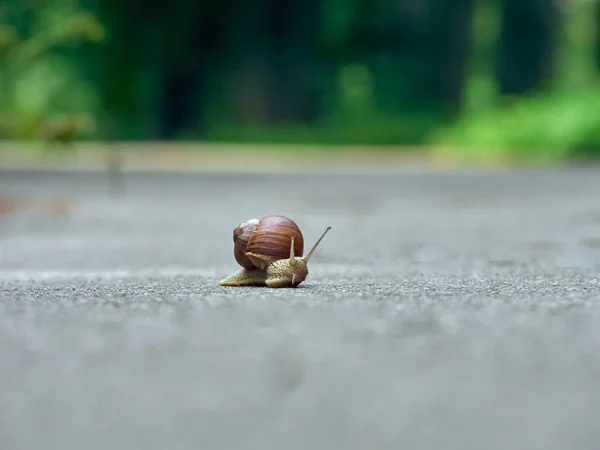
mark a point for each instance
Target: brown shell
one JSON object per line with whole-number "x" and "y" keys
{"x": 271, "y": 239}
{"x": 241, "y": 236}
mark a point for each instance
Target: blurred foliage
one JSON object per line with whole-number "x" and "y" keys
{"x": 537, "y": 129}
{"x": 39, "y": 83}
{"x": 552, "y": 122}
{"x": 480, "y": 80}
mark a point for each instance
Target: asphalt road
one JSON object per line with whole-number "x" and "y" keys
{"x": 455, "y": 311}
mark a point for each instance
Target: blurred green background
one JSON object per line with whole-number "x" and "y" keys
{"x": 499, "y": 81}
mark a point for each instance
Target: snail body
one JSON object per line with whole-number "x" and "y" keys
{"x": 270, "y": 253}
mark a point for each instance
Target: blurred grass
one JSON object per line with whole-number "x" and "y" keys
{"x": 381, "y": 130}
{"x": 537, "y": 129}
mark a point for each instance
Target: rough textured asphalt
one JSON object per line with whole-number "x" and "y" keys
{"x": 455, "y": 311}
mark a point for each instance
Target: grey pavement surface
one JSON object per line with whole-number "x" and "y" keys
{"x": 455, "y": 311}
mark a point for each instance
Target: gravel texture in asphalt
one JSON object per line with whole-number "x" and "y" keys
{"x": 456, "y": 311}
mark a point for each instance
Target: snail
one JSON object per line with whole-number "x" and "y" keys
{"x": 270, "y": 252}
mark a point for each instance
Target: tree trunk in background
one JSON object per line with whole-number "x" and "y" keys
{"x": 391, "y": 38}
{"x": 118, "y": 79}
{"x": 528, "y": 45}
{"x": 190, "y": 56}
{"x": 296, "y": 67}
{"x": 597, "y": 36}
{"x": 177, "y": 102}
{"x": 193, "y": 39}
{"x": 279, "y": 69}
{"x": 418, "y": 52}
{"x": 451, "y": 25}
{"x": 245, "y": 67}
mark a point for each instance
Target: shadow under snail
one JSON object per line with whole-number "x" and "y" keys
{"x": 270, "y": 252}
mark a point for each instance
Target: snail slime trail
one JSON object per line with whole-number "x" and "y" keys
{"x": 270, "y": 251}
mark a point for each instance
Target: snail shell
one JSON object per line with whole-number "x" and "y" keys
{"x": 259, "y": 242}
